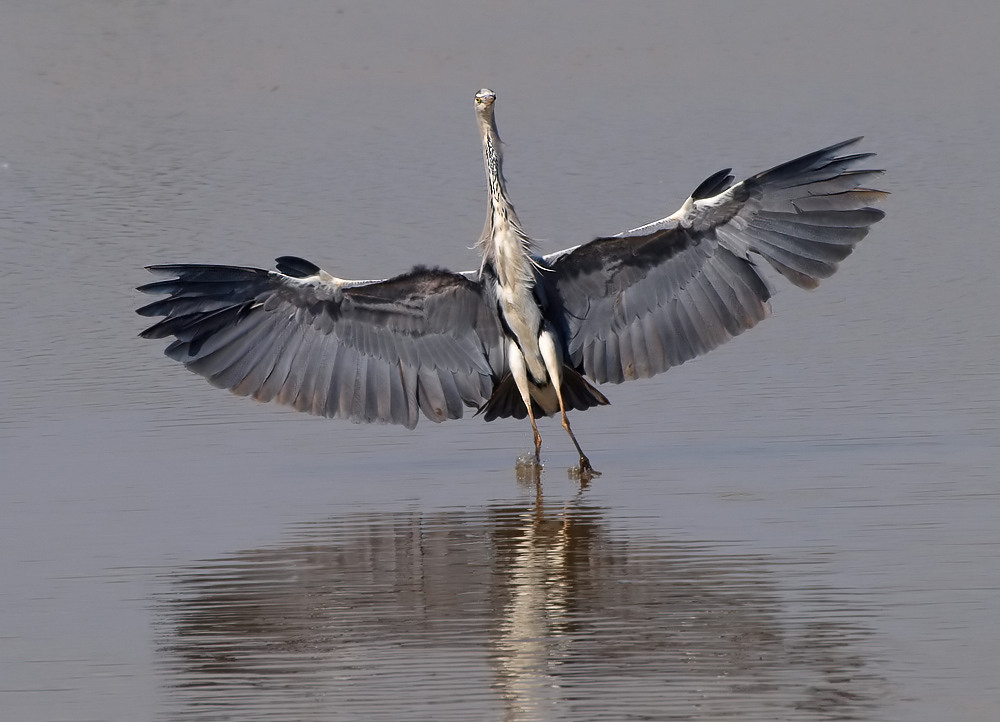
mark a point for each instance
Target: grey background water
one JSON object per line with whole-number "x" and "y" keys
{"x": 801, "y": 525}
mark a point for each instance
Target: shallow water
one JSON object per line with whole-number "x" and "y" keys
{"x": 540, "y": 612}
{"x": 801, "y": 525}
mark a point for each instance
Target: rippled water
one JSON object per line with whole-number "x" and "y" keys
{"x": 540, "y": 613}
{"x": 801, "y": 525}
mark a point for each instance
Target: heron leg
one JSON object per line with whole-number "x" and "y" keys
{"x": 585, "y": 467}
{"x": 520, "y": 373}
{"x": 586, "y": 471}
{"x": 553, "y": 365}
{"x": 534, "y": 429}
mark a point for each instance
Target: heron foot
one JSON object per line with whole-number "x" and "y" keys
{"x": 528, "y": 469}
{"x": 584, "y": 472}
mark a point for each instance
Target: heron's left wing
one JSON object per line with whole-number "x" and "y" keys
{"x": 369, "y": 351}
{"x": 634, "y": 305}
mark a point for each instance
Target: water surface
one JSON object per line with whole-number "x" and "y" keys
{"x": 801, "y": 525}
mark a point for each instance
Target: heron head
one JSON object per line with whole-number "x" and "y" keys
{"x": 485, "y": 98}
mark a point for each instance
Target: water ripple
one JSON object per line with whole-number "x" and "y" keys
{"x": 515, "y": 613}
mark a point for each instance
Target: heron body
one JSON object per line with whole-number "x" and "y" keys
{"x": 522, "y": 335}
{"x": 534, "y": 353}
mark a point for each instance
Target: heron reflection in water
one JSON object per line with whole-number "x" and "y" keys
{"x": 527, "y": 334}
{"x": 518, "y": 610}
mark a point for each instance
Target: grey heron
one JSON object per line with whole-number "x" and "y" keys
{"x": 527, "y": 334}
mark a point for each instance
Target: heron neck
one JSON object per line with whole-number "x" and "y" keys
{"x": 503, "y": 243}
{"x": 493, "y": 162}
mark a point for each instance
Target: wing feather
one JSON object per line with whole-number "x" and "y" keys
{"x": 368, "y": 351}
{"x": 431, "y": 395}
{"x": 343, "y": 382}
{"x": 235, "y": 361}
{"x": 299, "y": 377}
{"x": 359, "y": 397}
{"x": 626, "y": 353}
{"x": 635, "y": 304}
{"x": 284, "y": 358}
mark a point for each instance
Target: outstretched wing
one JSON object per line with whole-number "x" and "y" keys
{"x": 367, "y": 351}
{"x": 634, "y": 305}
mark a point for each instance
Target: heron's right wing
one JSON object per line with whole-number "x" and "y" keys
{"x": 634, "y": 305}
{"x": 367, "y": 351}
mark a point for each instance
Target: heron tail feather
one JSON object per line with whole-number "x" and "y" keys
{"x": 578, "y": 394}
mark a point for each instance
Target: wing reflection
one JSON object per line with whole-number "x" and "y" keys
{"x": 515, "y": 613}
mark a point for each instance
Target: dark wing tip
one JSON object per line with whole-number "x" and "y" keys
{"x": 830, "y": 149}
{"x": 296, "y": 267}
{"x": 713, "y": 185}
